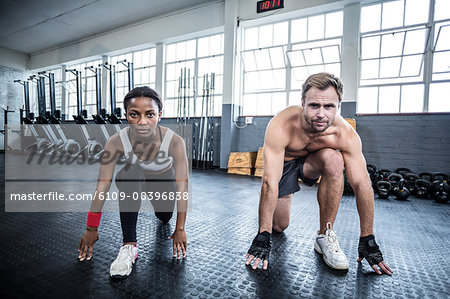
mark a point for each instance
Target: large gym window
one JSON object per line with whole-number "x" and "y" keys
{"x": 88, "y": 89}
{"x": 144, "y": 64}
{"x": 194, "y": 59}
{"x": 277, "y": 58}
{"x": 396, "y": 46}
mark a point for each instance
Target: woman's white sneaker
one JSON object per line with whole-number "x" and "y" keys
{"x": 327, "y": 244}
{"x": 123, "y": 264}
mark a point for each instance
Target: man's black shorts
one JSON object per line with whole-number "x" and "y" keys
{"x": 292, "y": 171}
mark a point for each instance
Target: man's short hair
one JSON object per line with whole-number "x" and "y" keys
{"x": 322, "y": 81}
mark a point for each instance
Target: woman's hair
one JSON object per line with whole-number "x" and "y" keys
{"x": 143, "y": 91}
{"x": 322, "y": 81}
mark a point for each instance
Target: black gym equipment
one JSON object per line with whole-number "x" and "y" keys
{"x": 421, "y": 187}
{"x": 40, "y": 87}
{"x": 394, "y": 179}
{"x": 372, "y": 170}
{"x": 54, "y": 116}
{"x": 426, "y": 176}
{"x": 81, "y": 115}
{"x": 113, "y": 117}
{"x": 29, "y": 116}
{"x": 5, "y": 120}
{"x": 436, "y": 179}
{"x": 440, "y": 188}
{"x": 100, "y": 117}
{"x": 410, "y": 180}
{"x": 400, "y": 191}
{"x": 130, "y": 70}
{"x": 443, "y": 192}
{"x": 402, "y": 171}
{"x": 383, "y": 189}
{"x": 383, "y": 174}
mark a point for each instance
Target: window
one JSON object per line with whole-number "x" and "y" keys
{"x": 144, "y": 74}
{"x": 395, "y": 40}
{"x": 440, "y": 84}
{"x": 195, "y": 59}
{"x": 277, "y": 58}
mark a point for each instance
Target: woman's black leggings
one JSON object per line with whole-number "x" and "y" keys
{"x": 132, "y": 182}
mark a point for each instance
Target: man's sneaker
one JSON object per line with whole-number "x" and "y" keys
{"x": 123, "y": 264}
{"x": 327, "y": 244}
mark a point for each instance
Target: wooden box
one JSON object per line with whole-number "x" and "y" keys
{"x": 352, "y": 122}
{"x": 242, "y": 159}
{"x": 259, "y": 159}
{"x": 259, "y": 172}
{"x": 240, "y": 170}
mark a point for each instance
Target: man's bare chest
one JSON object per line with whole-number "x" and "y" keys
{"x": 302, "y": 146}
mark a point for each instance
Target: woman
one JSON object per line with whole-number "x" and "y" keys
{"x": 156, "y": 165}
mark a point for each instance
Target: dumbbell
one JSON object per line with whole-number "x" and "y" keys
{"x": 400, "y": 191}
{"x": 383, "y": 189}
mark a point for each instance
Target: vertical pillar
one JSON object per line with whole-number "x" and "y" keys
{"x": 159, "y": 84}
{"x": 228, "y": 134}
{"x": 350, "y": 58}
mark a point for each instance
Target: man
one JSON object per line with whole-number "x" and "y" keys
{"x": 308, "y": 142}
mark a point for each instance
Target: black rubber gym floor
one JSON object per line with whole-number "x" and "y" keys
{"x": 39, "y": 250}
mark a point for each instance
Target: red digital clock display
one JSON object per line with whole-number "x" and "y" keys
{"x": 263, "y": 6}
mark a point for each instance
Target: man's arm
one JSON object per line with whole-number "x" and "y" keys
{"x": 275, "y": 144}
{"x": 358, "y": 177}
{"x": 276, "y": 140}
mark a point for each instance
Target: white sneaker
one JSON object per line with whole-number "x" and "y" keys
{"x": 327, "y": 244}
{"x": 123, "y": 264}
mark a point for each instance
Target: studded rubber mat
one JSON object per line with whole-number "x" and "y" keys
{"x": 39, "y": 250}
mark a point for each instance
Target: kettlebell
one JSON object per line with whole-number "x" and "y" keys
{"x": 402, "y": 171}
{"x": 383, "y": 174}
{"x": 422, "y": 187}
{"x": 400, "y": 191}
{"x": 436, "y": 179}
{"x": 410, "y": 179}
{"x": 426, "y": 176}
{"x": 383, "y": 189}
{"x": 443, "y": 192}
{"x": 394, "y": 179}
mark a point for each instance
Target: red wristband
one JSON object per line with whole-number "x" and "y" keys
{"x": 93, "y": 219}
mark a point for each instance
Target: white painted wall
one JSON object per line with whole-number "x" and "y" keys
{"x": 206, "y": 18}
{"x": 12, "y": 67}
{"x": 13, "y": 59}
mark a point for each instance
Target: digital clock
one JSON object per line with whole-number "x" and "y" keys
{"x": 263, "y": 6}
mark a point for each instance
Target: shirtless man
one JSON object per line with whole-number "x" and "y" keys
{"x": 308, "y": 142}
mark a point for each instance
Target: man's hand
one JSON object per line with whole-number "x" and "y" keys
{"x": 260, "y": 249}
{"x": 369, "y": 250}
{"x": 179, "y": 243}
{"x": 86, "y": 245}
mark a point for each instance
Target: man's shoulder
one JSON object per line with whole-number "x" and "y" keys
{"x": 290, "y": 113}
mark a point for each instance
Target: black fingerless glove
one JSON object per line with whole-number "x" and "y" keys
{"x": 369, "y": 250}
{"x": 261, "y": 246}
